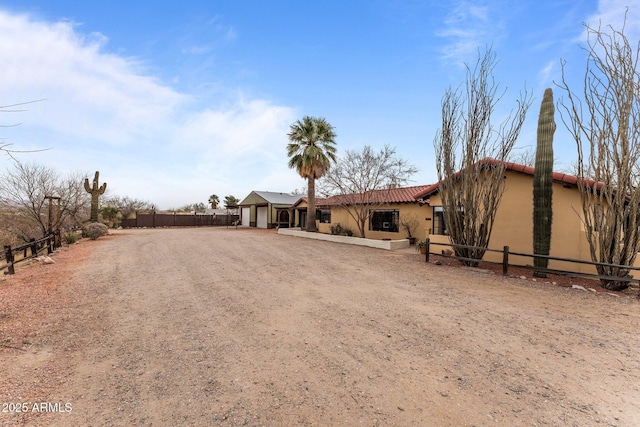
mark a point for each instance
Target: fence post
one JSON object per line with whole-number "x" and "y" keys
{"x": 49, "y": 245}
{"x": 505, "y": 260}
{"x": 8, "y": 254}
{"x": 428, "y": 247}
{"x": 34, "y": 247}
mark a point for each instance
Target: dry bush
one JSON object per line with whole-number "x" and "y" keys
{"x": 94, "y": 230}
{"x": 470, "y": 153}
{"x": 607, "y": 136}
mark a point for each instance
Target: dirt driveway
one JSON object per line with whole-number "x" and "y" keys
{"x": 201, "y": 327}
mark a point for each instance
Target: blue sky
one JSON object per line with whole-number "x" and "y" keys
{"x": 173, "y": 101}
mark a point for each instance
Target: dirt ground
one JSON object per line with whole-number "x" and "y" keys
{"x": 217, "y": 326}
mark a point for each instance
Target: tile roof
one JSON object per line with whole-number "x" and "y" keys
{"x": 394, "y": 195}
{"x": 302, "y": 199}
{"x": 523, "y": 169}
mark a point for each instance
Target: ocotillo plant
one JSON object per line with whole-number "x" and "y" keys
{"x": 95, "y": 191}
{"x": 542, "y": 182}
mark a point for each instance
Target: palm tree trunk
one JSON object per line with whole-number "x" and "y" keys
{"x": 311, "y": 205}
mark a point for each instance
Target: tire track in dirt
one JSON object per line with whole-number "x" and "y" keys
{"x": 243, "y": 327}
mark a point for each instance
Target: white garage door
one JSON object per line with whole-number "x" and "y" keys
{"x": 246, "y": 213}
{"x": 261, "y": 217}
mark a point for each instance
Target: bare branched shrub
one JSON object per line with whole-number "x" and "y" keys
{"x": 410, "y": 223}
{"x": 361, "y": 181}
{"x": 523, "y": 156}
{"x": 15, "y": 108}
{"x": 605, "y": 124}
{"x": 75, "y": 202}
{"x": 470, "y": 156}
{"x": 128, "y": 206}
{"x": 22, "y": 198}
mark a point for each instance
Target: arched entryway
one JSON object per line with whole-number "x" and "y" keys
{"x": 283, "y": 218}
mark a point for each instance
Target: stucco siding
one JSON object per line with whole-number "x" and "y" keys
{"x": 513, "y": 224}
{"x": 340, "y": 215}
{"x": 253, "y": 199}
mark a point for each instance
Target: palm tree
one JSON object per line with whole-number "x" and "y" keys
{"x": 231, "y": 201}
{"x": 311, "y": 150}
{"x": 214, "y": 200}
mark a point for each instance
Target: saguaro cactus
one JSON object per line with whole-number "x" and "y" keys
{"x": 95, "y": 191}
{"x": 542, "y": 182}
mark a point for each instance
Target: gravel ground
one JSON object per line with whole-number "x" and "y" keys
{"x": 217, "y": 326}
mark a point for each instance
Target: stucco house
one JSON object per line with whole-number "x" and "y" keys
{"x": 513, "y": 224}
{"x": 266, "y": 209}
{"x": 384, "y": 222}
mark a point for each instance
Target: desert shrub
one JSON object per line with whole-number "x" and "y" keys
{"x": 94, "y": 230}
{"x": 346, "y": 231}
{"x": 340, "y": 230}
{"x": 70, "y": 238}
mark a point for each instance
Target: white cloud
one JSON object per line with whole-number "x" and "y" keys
{"x": 103, "y": 111}
{"x": 545, "y": 75}
{"x": 88, "y": 92}
{"x": 470, "y": 26}
{"x": 228, "y": 130}
{"x": 612, "y": 13}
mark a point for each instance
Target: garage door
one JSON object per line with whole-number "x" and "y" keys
{"x": 246, "y": 212}
{"x": 261, "y": 217}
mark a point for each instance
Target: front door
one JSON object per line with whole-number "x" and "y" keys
{"x": 303, "y": 219}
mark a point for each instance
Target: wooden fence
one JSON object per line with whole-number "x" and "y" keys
{"x": 50, "y": 243}
{"x": 505, "y": 262}
{"x": 153, "y": 220}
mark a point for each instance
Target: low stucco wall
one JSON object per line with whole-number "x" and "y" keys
{"x": 390, "y": 245}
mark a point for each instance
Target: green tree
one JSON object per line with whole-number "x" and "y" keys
{"x": 214, "y": 200}
{"x": 231, "y": 201}
{"x": 311, "y": 151}
{"x": 110, "y": 215}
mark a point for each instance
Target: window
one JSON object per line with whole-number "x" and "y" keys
{"x": 439, "y": 226}
{"x": 440, "y": 223}
{"x": 324, "y": 216}
{"x": 384, "y": 220}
